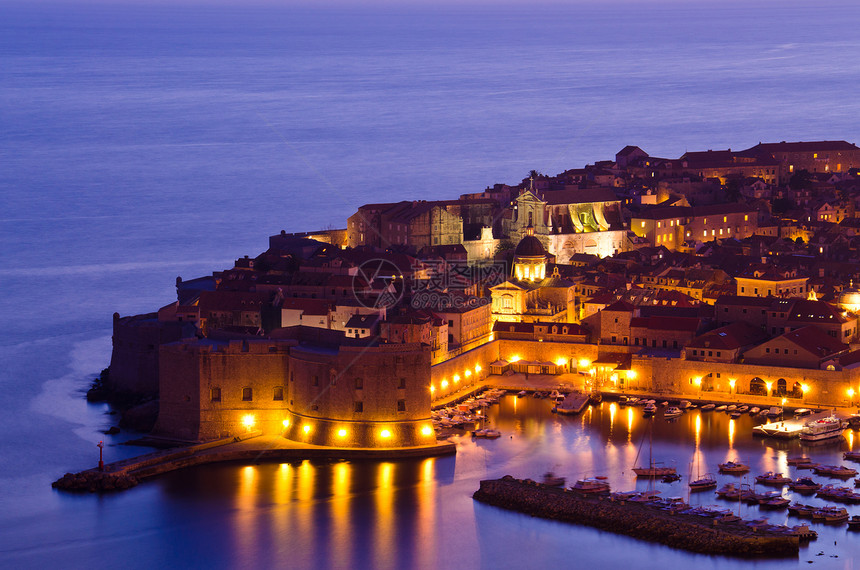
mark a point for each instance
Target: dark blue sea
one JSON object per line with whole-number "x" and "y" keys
{"x": 141, "y": 142}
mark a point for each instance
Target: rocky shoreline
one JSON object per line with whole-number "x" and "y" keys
{"x": 675, "y": 529}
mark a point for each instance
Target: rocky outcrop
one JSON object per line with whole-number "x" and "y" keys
{"x": 93, "y": 481}
{"x": 689, "y": 532}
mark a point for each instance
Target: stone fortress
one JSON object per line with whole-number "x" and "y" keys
{"x": 720, "y": 274}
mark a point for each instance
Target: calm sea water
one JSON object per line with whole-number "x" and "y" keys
{"x": 141, "y": 142}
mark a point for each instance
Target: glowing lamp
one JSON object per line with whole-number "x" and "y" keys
{"x": 307, "y": 429}
{"x": 631, "y": 374}
{"x": 444, "y": 384}
{"x": 697, "y": 380}
{"x": 561, "y": 362}
{"x": 850, "y": 392}
{"x": 385, "y": 434}
{"x": 467, "y": 373}
{"x": 477, "y": 369}
{"x": 584, "y": 363}
{"x": 432, "y": 388}
{"x": 427, "y": 431}
{"x": 768, "y": 385}
{"x": 341, "y": 433}
{"x": 286, "y": 423}
{"x": 456, "y": 378}
{"x": 515, "y": 358}
{"x": 804, "y": 388}
{"x": 248, "y": 421}
{"x": 614, "y": 377}
{"x": 732, "y": 383}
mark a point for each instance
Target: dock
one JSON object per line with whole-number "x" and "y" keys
{"x": 790, "y": 428}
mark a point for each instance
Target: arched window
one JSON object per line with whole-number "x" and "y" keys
{"x": 781, "y": 387}
{"x": 758, "y": 387}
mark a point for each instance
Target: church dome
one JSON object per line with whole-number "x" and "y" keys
{"x": 530, "y": 246}
{"x": 849, "y": 300}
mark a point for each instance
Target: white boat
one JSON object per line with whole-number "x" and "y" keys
{"x": 731, "y": 408}
{"x": 743, "y": 409}
{"x": 764, "y": 412}
{"x": 825, "y": 428}
{"x": 721, "y": 408}
{"x": 672, "y": 412}
{"x": 733, "y": 467}
{"x": 774, "y": 411}
{"x": 521, "y": 393}
{"x": 664, "y": 404}
{"x": 708, "y": 407}
{"x": 801, "y": 412}
{"x": 684, "y": 404}
{"x": 754, "y": 410}
{"x": 650, "y": 408}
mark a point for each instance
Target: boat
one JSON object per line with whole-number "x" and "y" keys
{"x": 706, "y": 481}
{"x": 653, "y": 470}
{"x": 650, "y": 408}
{"x": 487, "y": 433}
{"x": 731, "y": 408}
{"x": 754, "y": 410}
{"x": 735, "y": 414}
{"x": 851, "y": 455}
{"x": 825, "y": 428}
{"x": 771, "y": 478}
{"x": 550, "y": 479}
{"x": 799, "y": 460}
{"x": 521, "y": 393}
{"x": 802, "y": 532}
{"x": 830, "y": 514}
{"x": 835, "y": 470}
{"x": 590, "y": 486}
{"x": 854, "y": 523}
{"x": 671, "y": 478}
{"x": 843, "y": 494}
{"x": 672, "y": 412}
{"x": 733, "y": 467}
{"x": 773, "y": 500}
{"x": 595, "y": 397}
{"x": 721, "y": 408}
{"x": 774, "y": 411}
{"x": 664, "y": 404}
{"x": 763, "y": 412}
{"x": 804, "y": 485}
{"x": 708, "y": 407}
{"x": 554, "y": 394}
{"x": 743, "y": 409}
{"x": 684, "y": 404}
{"x": 801, "y": 412}
{"x": 801, "y": 510}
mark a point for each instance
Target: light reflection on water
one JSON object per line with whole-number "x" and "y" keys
{"x": 419, "y": 513}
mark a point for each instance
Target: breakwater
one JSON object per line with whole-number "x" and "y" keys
{"x": 640, "y": 520}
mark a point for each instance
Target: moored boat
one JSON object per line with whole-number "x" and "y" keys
{"x": 672, "y": 412}
{"x": 487, "y": 433}
{"x": 733, "y": 467}
{"x": 771, "y": 478}
{"x": 721, "y": 408}
{"x": 708, "y": 407}
{"x": 851, "y": 455}
{"x": 590, "y": 486}
{"x": 824, "y": 428}
{"x": 804, "y": 485}
{"x": 799, "y": 460}
{"x": 754, "y": 410}
{"x": 835, "y": 470}
{"x": 854, "y": 523}
{"x": 706, "y": 481}
{"x": 550, "y": 479}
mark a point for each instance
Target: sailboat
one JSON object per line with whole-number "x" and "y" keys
{"x": 702, "y": 482}
{"x": 652, "y": 470}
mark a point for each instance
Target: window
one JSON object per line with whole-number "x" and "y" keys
{"x": 315, "y": 380}
{"x": 401, "y": 405}
{"x": 359, "y": 383}
{"x": 215, "y": 394}
{"x": 279, "y": 393}
{"x": 359, "y": 407}
{"x": 247, "y": 394}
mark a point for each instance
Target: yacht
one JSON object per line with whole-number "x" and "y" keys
{"x": 825, "y": 428}
{"x": 733, "y": 467}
